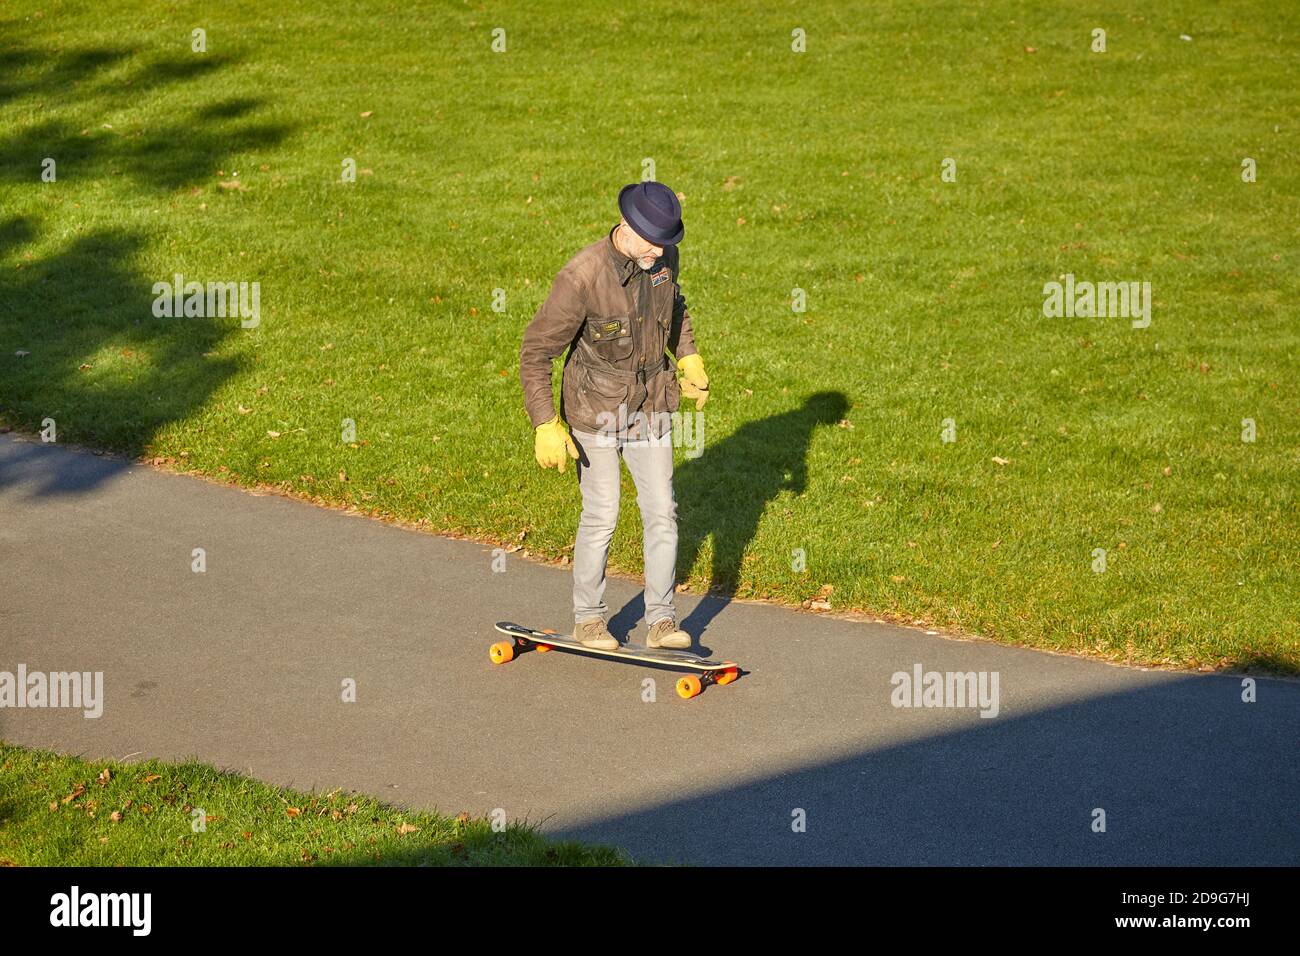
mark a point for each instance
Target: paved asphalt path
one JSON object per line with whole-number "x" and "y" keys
{"x": 241, "y": 666}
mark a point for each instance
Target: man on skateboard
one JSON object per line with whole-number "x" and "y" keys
{"x": 617, "y": 308}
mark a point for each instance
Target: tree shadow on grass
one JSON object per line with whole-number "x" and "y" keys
{"x": 26, "y": 70}
{"x": 183, "y": 150}
{"x": 99, "y": 363}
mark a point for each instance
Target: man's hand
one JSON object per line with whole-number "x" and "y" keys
{"x": 551, "y": 442}
{"x": 695, "y": 383}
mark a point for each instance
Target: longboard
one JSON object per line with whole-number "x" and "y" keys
{"x": 692, "y": 685}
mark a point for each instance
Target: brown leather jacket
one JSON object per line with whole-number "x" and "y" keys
{"x": 616, "y": 320}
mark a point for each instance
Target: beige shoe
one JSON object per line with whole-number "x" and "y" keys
{"x": 594, "y": 634}
{"x": 665, "y": 633}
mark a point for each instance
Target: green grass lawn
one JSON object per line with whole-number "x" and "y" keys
{"x": 480, "y": 171}
{"x": 62, "y": 811}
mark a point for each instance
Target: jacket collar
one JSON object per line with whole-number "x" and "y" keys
{"x": 624, "y": 267}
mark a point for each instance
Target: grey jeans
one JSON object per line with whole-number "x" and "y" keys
{"x": 651, "y": 465}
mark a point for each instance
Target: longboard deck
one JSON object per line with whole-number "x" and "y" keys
{"x": 526, "y": 638}
{"x": 636, "y": 652}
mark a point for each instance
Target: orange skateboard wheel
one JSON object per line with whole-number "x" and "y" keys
{"x": 501, "y": 652}
{"x": 543, "y": 648}
{"x": 689, "y": 686}
{"x": 727, "y": 676}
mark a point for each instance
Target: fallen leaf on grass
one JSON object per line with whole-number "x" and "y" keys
{"x": 406, "y": 828}
{"x": 81, "y": 788}
{"x": 151, "y": 778}
{"x": 293, "y": 811}
{"x": 1000, "y": 461}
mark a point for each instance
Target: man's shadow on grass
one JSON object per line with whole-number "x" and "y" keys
{"x": 723, "y": 494}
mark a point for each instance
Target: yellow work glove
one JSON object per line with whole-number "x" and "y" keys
{"x": 695, "y": 383}
{"x": 550, "y": 443}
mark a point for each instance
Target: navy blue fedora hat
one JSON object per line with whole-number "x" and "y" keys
{"x": 653, "y": 212}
